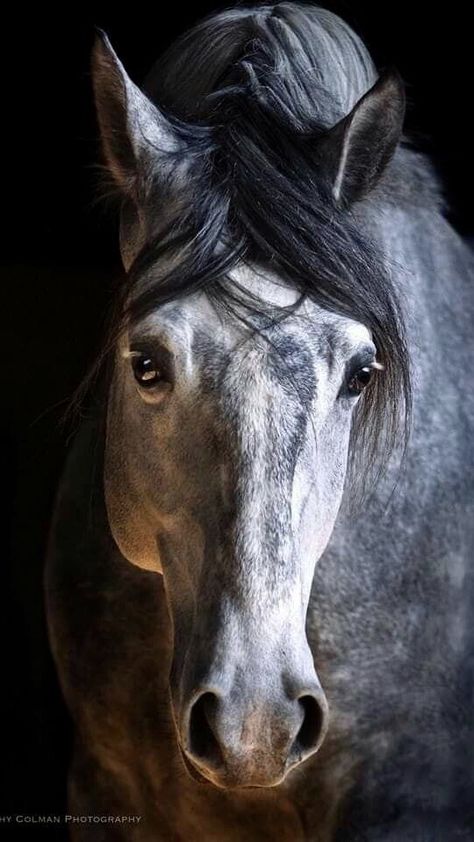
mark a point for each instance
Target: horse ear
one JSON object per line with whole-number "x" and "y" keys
{"x": 133, "y": 131}
{"x": 356, "y": 150}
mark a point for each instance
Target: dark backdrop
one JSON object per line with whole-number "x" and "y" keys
{"x": 59, "y": 263}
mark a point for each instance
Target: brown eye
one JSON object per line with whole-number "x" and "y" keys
{"x": 146, "y": 372}
{"x": 359, "y": 380}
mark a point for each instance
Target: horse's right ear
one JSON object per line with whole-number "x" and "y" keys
{"x": 135, "y": 134}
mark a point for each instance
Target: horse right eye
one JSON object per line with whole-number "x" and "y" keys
{"x": 146, "y": 372}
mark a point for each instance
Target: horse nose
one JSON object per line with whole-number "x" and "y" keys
{"x": 234, "y": 744}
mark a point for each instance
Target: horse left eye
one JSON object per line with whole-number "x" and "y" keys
{"x": 359, "y": 380}
{"x": 146, "y": 372}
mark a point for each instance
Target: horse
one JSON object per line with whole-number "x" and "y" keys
{"x": 259, "y": 574}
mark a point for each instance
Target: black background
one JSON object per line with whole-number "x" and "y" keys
{"x": 59, "y": 264}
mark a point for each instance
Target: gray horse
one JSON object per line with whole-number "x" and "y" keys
{"x": 260, "y": 569}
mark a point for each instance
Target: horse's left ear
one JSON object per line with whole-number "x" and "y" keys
{"x": 355, "y": 152}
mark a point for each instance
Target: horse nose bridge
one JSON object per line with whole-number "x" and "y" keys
{"x": 249, "y": 658}
{"x": 248, "y": 640}
{"x": 262, "y": 483}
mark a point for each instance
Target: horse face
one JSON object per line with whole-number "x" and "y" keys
{"x": 226, "y": 448}
{"x": 225, "y": 464}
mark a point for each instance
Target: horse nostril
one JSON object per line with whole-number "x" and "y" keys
{"x": 313, "y": 726}
{"x": 203, "y": 744}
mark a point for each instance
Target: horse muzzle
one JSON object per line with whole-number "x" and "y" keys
{"x": 237, "y": 738}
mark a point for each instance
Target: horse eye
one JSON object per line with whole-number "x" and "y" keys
{"x": 359, "y": 380}
{"x": 146, "y": 372}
